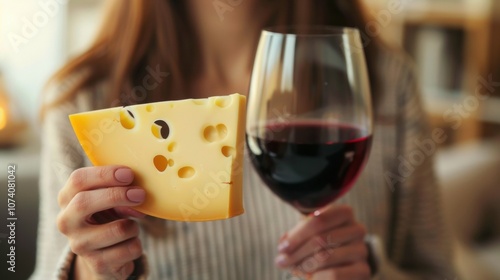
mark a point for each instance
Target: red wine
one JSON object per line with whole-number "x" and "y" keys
{"x": 309, "y": 164}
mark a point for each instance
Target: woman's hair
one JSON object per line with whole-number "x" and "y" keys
{"x": 139, "y": 37}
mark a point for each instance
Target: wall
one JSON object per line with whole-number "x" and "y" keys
{"x": 36, "y": 38}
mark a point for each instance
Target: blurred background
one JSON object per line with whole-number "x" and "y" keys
{"x": 456, "y": 48}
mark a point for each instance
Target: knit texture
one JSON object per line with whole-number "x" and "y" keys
{"x": 402, "y": 215}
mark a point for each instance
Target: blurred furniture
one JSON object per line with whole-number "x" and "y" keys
{"x": 454, "y": 45}
{"x": 450, "y": 41}
{"x": 470, "y": 179}
{"x": 492, "y": 115}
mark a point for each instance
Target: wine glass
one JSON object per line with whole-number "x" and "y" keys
{"x": 309, "y": 117}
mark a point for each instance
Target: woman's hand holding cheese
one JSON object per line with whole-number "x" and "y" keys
{"x": 95, "y": 217}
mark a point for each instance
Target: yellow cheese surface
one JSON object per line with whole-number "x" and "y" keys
{"x": 187, "y": 154}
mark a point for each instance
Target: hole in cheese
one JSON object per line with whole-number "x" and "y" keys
{"x": 171, "y": 147}
{"x": 160, "y": 129}
{"x": 186, "y": 172}
{"x": 170, "y": 162}
{"x": 150, "y": 108}
{"x": 127, "y": 119}
{"x": 223, "y": 101}
{"x": 222, "y": 131}
{"x": 160, "y": 163}
{"x": 210, "y": 134}
{"x": 228, "y": 151}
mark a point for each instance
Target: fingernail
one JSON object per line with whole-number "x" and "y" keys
{"x": 315, "y": 213}
{"x": 283, "y": 246}
{"x": 136, "y": 195}
{"x": 281, "y": 260}
{"x": 124, "y": 175}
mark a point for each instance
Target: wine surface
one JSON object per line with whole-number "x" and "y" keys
{"x": 309, "y": 164}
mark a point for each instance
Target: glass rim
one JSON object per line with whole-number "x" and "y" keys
{"x": 310, "y": 30}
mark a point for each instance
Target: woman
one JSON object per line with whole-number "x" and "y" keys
{"x": 202, "y": 48}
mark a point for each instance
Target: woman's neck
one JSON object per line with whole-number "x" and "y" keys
{"x": 227, "y": 37}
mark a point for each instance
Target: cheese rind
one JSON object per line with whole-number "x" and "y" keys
{"x": 187, "y": 154}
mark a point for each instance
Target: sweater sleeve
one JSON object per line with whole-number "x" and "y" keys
{"x": 61, "y": 154}
{"x": 419, "y": 246}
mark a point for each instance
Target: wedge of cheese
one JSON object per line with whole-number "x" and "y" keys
{"x": 187, "y": 154}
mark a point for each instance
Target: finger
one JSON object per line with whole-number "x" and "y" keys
{"x": 334, "y": 258}
{"x": 114, "y": 214}
{"x": 90, "y": 202}
{"x": 103, "y": 217}
{"x": 111, "y": 260}
{"x": 356, "y": 271}
{"x": 126, "y": 212}
{"x": 329, "y": 218}
{"x": 79, "y": 211}
{"x": 98, "y": 237}
{"x": 327, "y": 242}
{"x": 90, "y": 178}
{"x": 125, "y": 270}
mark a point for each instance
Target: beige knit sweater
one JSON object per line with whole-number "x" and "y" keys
{"x": 400, "y": 208}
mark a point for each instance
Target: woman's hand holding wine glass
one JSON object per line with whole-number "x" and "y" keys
{"x": 328, "y": 244}
{"x": 309, "y": 131}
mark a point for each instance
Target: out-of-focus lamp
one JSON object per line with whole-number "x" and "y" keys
{"x": 3, "y": 116}
{"x": 3, "y": 106}
{"x": 11, "y": 129}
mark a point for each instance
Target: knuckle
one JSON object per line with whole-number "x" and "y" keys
{"x": 78, "y": 246}
{"x": 363, "y": 268}
{"x": 135, "y": 248}
{"x": 134, "y": 228}
{"x": 318, "y": 240}
{"x": 78, "y": 178}
{"x": 363, "y": 250}
{"x": 361, "y": 230}
{"x": 119, "y": 229}
{"x": 99, "y": 265}
{"x": 62, "y": 223}
{"x": 309, "y": 265}
{"x": 347, "y": 211}
{"x": 103, "y": 173}
{"x": 116, "y": 195}
{"x": 334, "y": 274}
{"x": 320, "y": 244}
{"x": 80, "y": 202}
{"x": 125, "y": 270}
{"x": 321, "y": 222}
{"x": 61, "y": 199}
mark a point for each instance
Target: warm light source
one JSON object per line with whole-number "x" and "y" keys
{"x": 12, "y": 127}
{"x": 3, "y": 118}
